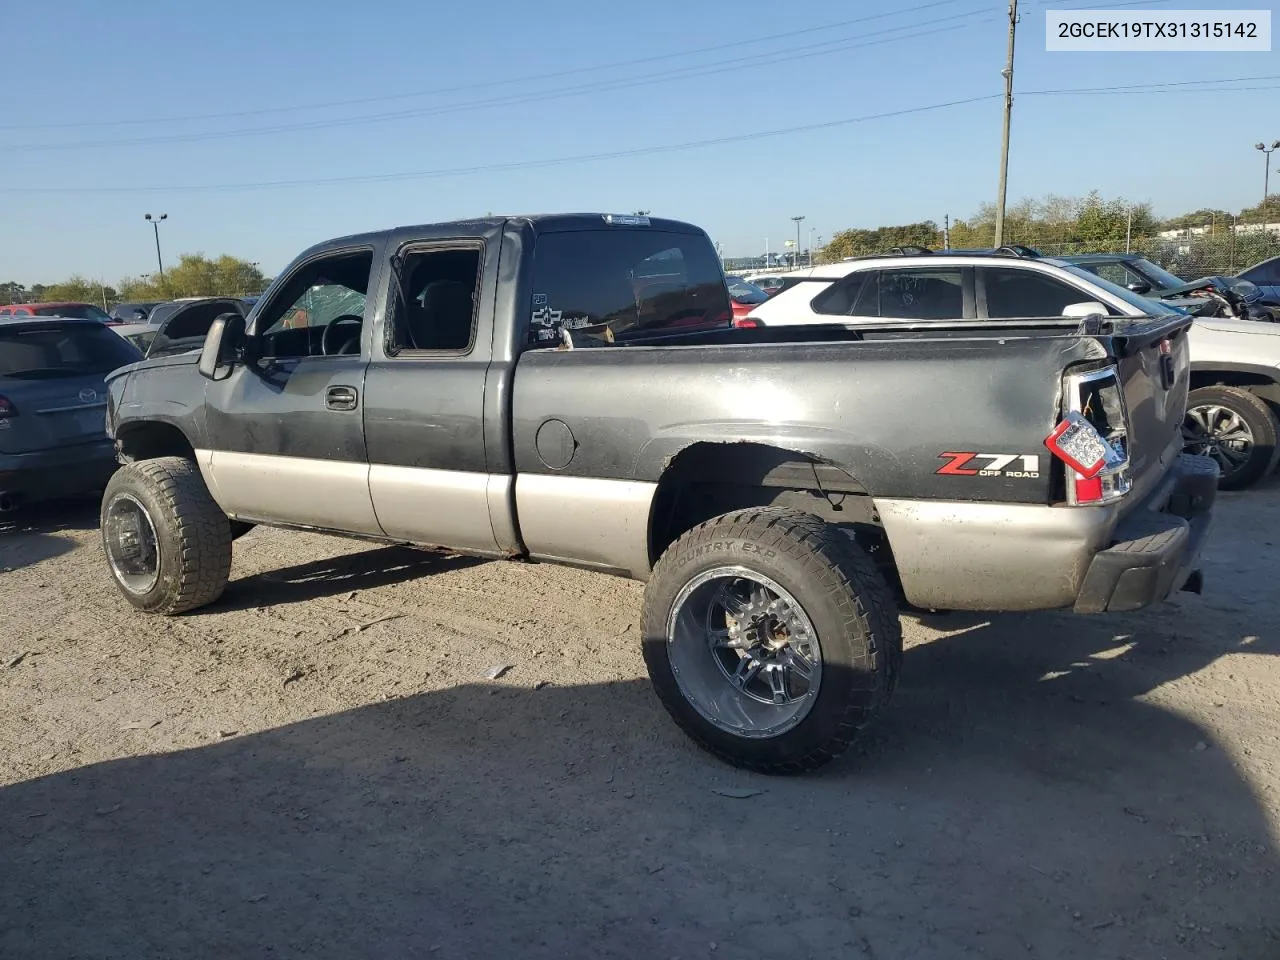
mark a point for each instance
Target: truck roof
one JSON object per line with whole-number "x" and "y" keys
{"x": 540, "y": 222}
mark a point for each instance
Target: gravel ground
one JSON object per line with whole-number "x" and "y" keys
{"x": 318, "y": 766}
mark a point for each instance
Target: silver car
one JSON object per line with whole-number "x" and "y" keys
{"x": 53, "y": 399}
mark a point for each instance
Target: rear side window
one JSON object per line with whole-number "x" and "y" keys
{"x": 52, "y": 351}
{"x": 435, "y": 306}
{"x": 624, "y": 284}
{"x": 1025, "y": 294}
{"x": 925, "y": 294}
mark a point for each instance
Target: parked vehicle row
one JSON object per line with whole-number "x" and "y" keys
{"x": 1235, "y": 363}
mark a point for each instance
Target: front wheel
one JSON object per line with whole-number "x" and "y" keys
{"x": 167, "y": 543}
{"x": 771, "y": 639}
{"x": 1235, "y": 428}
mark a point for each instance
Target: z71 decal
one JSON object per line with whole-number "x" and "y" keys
{"x": 1019, "y": 466}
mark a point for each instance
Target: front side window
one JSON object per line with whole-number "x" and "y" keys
{"x": 435, "y": 304}
{"x": 922, "y": 294}
{"x": 320, "y": 309}
{"x": 1014, "y": 294}
{"x": 625, "y": 283}
{"x": 853, "y": 295}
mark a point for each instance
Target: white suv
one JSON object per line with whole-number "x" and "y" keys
{"x": 1235, "y": 364}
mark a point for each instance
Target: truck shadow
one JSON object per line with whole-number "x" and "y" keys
{"x": 361, "y": 570}
{"x": 990, "y": 812}
{"x": 32, "y": 534}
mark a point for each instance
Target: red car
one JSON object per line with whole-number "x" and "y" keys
{"x": 744, "y": 297}
{"x": 56, "y": 308}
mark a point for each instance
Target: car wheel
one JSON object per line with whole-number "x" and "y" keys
{"x": 167, "y": 543}
{"x": 1235, "y": 428}
{"x": 771, "y": 638}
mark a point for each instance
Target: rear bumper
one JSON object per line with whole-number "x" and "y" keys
{"x": 63, "y": 471}
{"x": 964, "y": 555}
{"x": 1157, "y": 547}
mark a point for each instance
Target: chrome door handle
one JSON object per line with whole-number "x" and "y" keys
{"x": 340, "y": 398}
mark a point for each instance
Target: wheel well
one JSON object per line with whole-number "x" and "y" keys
{"x": 150, "y": 439}
{"x": 1256, "y": 383}
{"x": 705, "y": 480}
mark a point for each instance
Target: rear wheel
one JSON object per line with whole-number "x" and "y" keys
{"x": 167, "y": 543}
{"x": 771, "y": 638}
{"x": 1235, "y": 428}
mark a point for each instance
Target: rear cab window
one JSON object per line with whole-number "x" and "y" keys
{"x": 54, "y": 350}
{"x": 620, "y": 284}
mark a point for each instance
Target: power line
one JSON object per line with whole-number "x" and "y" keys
{"x": 594, "y": 69}
{"x": 513, "y": 165}
{"x": 620, "y": 154}
{"x": 839, "y": 45}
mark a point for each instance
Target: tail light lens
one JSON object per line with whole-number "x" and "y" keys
{"x": 1092, "y": 440}
{"x": 747, "y": 322}
{"x": 7, "y": 409}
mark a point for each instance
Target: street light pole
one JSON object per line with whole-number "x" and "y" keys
{"x": 155, "y": 225}
{"x": 1007, "y": 73}
{"x": 796, "y": 263}
{"x": 1266, "y": 174}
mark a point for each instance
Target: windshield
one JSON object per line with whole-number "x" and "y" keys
{"x": 58, "y": 350}
{"x": 1163, "y": 278}
{"x": 1152, "y": 308}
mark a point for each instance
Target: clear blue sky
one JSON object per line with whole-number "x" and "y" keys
{"x": 89, "y": 62}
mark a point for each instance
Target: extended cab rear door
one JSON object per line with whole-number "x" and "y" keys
{"x": 436, "y": 477}
{"x": 286, "y": 429}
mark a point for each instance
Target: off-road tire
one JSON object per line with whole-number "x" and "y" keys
{"x": 1262, "y": 423}
{"x": 192, "y": 533}
{"x": 846, "y": 599}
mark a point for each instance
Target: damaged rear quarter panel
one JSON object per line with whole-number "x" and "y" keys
{"x": 885, "y": 411}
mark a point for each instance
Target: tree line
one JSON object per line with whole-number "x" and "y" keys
{"x": 1090, "y": 222}
{"x": 195, "y": 275}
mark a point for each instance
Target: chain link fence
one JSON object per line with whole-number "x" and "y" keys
{"x": 1189, "y": 258}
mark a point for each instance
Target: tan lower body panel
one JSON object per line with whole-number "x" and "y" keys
{"x": 448, "y": 508}
{"x": 959, "y": 555}
{"x": 330, "y": 494}
{"x": 599, "y": 523}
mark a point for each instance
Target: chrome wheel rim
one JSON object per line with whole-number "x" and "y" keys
{"x": 743, "y": 652}
{"x": 133, "y": 549}
{"x": 1213, "y": 430}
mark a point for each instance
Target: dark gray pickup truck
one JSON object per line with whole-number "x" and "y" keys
{"x": 571, "y": 389}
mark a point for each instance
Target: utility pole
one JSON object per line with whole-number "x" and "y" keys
{"x": 155, "y": 224}
{"x": 1007, "y": 73}
{"x": 946, "y": 231}
{"x": 795, "y": 264}
{"x": 1266, "y": 177}
{"x": 1128, "y": 231}
{"x": 766, "y": 252}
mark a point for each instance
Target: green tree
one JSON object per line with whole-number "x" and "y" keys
{"x": 195, "y": 275}
{"x": 79, "y": 289}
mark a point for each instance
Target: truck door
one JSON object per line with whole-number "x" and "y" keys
{"x": 429, "y": 471}
{"x": 286, "y": 430}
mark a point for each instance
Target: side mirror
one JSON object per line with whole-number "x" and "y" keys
{"x": 1139, "y": 286}
{"x": 1088, "y": 308}
{"x": 223, "y": 346}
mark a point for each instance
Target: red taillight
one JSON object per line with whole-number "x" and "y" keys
{"x": 746, "y": 322}
{"x": 1092, "y": 440}
{"x": 7, "y": 409}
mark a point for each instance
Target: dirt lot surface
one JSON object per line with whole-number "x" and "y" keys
{"x": 318, "y": 766}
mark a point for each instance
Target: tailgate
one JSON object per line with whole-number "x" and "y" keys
{"x": 52, "y": 413}
{"x": 1152, "y": 360}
